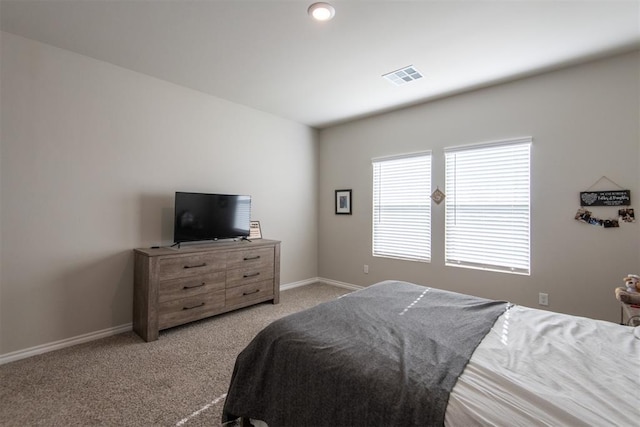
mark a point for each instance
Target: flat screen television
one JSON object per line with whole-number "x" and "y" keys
{"x": 203, "y": 216}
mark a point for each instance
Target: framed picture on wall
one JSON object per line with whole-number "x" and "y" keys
{"x": 343, "y": 202}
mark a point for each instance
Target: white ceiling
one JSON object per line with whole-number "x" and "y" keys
{"x": 271, "y": 56}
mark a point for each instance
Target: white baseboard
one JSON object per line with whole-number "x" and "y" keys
{"x": 321, "y": 280}
{"x": 300, "y": 283}
{"x": 68, "y": 342}
{"x": 91, "y": 336}
{"x": 340, "y": 284}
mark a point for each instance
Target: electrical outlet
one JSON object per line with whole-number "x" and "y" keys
{"x": 366, "y": 269}
{"x": 543, "y": 299}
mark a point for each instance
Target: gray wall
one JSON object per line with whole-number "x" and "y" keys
{"x": 91, "y": 156}
{"x": 585, "y": 124}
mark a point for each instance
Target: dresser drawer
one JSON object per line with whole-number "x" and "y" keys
{"x": 179, "y": 311}
{"x": 181, "y": 288}
{"x": 240, "y": 295}
{"x": 246, "y": 275}
{"x": 191, "y": 265}
{"x": 254, "y": 258}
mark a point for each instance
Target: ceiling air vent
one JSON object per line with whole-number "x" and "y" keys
{"x": 403, "y": 75}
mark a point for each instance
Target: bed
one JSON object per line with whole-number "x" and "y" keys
{"x": 400, "y": 354}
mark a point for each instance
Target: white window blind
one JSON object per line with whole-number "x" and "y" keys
{"x": 487, "y": 219}
{"x": 402, "y": 207}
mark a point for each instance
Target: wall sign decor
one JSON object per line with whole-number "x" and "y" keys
{"x": 591, "y": 197}
{"x": 343, "y": 202}
{"x": 437, "y": 196}
{"x": 605, "y": 198}
{"x": 254, "y": 230}
{"x": 610, "y": 198}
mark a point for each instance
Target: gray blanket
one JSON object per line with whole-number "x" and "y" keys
{"x": 387, "y": 355}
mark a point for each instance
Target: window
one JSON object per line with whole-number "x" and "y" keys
{"x": 487, "y": 217}
{"x": 402, "y": 207}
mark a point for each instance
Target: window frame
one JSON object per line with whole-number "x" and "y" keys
{"x": 402, "y": 220}
{"x": 508, "y": 217}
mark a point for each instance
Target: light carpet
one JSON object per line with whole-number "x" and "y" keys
{"x": 181, "y": 379}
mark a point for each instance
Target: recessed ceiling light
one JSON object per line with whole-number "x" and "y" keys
{"x": 403, "y": 75}
{"x": 321, "y": 11}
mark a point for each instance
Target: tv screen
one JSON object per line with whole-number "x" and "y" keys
{"x": 202, "y": 216}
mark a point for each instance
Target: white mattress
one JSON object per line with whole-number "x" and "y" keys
{"x": 537, "y": 367}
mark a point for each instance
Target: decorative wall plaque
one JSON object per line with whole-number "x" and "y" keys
{"x": 437, "y": 196}
{"x": 605, "y": 198}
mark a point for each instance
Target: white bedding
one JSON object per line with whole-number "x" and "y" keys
{"x": 537, "y": 367}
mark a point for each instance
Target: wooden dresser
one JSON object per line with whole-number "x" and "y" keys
{"x": 177, "y": 286}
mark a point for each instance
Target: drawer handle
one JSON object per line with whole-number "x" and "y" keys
{"x": 251, "y": 275}
{"x": 252, "y": 292}
{"x": 195, "y": 306}
{"x": 249, "y": 258}
{"x": 204, "y": 264}
{"x": 194, "y": 286}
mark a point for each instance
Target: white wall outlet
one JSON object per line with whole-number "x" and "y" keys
{"x": 366, "y": 269}
{"x": 543, "y": 299}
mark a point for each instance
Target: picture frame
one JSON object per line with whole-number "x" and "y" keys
{"x": 343, "y": 202}
{"x": 255, "y": 232}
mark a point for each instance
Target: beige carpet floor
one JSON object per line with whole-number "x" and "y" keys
{"x": 181, "y": 379}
